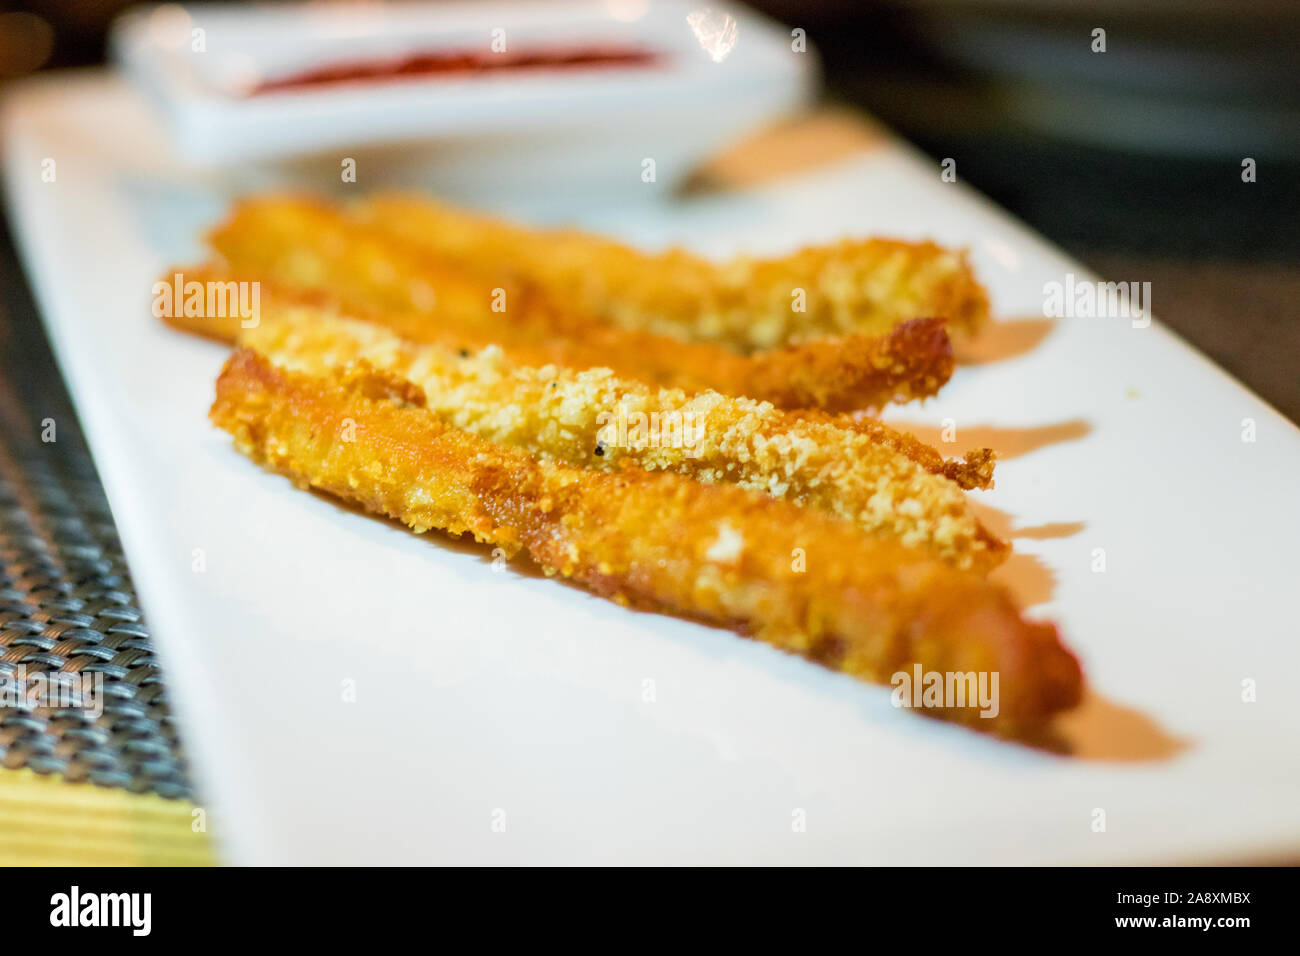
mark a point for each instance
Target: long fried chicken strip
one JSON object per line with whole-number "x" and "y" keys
{"x": 974, "y": 471}
{"x": 860, "y": 604}
{"x": 596, "y": 420}
{"x": 313, "y": 248}
{"x": 862, "y": 286}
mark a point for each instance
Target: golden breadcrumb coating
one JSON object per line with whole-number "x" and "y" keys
{"x": 596, "y": 420}
{"x": 975, "y": 471}
{"x": 802, "y": 581}
{"x": 862, "y": 286}
{"x": 314, "y": 249}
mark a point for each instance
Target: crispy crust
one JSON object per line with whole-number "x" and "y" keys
{"x": 596, "y": 420}
{"x": 312, "y": 249}
{"x": 860, "y": 604}
{"x": 975, "y": 471}
{"x": 847, "y": 373}
{"x": 862, "y": 286}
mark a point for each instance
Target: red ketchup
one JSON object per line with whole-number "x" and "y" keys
{"x": 458, "y": 63}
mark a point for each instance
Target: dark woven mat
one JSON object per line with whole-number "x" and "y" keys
{"x": 68, "y": 611}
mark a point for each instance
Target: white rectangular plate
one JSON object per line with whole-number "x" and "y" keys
{"x": 502, "y": 717}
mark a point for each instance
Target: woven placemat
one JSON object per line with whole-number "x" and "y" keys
{"x": 68, "y": 615}
{"x": 81, "y": 693}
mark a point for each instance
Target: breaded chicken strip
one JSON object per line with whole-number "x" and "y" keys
{"x": 853, "y": 373}
{"x": 974, "y": 471}
{"x": 596, "y": 420}
{"x": 309, "y": 247}
{"x": 864, "y": 286}
{"x": 798, "y": 579}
